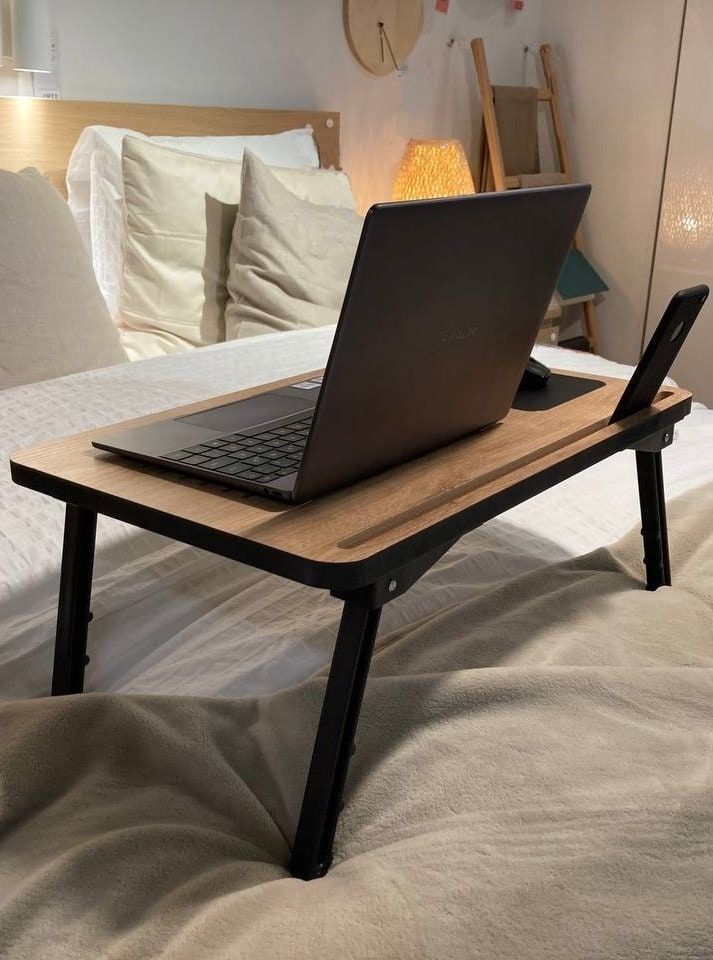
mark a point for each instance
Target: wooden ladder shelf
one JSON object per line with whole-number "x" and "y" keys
{"x": 493, "y": 173}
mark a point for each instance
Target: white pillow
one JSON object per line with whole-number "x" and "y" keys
{"x": 106, "y": 226}
{"x": 173, "y": 289}
{"x": 53, "y": 320}
{"x": 290, "y": 259}
{"x": 95, "y": 187}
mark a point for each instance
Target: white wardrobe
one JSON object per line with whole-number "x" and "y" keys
{"x": 684, "y": 254}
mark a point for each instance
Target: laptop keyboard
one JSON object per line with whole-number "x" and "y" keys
{"x": 261, "y": 457}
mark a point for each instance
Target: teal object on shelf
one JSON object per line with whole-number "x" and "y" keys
{"x": 578, "y": 280}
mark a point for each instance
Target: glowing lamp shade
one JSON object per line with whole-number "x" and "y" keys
{"x": 433, "y": 168}
{"x": 32, "y": 36}
{"x": 687, "y": 212}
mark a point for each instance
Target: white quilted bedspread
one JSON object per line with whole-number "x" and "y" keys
{"x": 171, "y": 619}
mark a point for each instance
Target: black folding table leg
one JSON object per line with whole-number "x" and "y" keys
{"x": 75, "y": 588}
{"x": 649, "y": 467}
{"x": 663, "y": 526}
{"x": 312, "y": 848}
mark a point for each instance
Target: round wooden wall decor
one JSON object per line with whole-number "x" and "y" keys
{"x": 382, "y": 33}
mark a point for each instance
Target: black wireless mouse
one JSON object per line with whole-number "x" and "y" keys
{"x": 535, "y": 376}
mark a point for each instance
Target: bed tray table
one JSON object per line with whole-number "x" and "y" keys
{"x": 367, "y": 544}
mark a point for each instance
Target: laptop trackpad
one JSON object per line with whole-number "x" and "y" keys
{"x": 244, "y": 414}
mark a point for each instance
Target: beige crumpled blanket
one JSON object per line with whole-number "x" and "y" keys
{"x": 533, "y": 779}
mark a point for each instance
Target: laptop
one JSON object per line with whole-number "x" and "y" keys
{"x": 442, "y": 309}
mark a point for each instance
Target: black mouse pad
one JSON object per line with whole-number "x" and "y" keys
{"x": 560, "y": 389}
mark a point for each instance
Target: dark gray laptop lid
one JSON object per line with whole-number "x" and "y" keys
{"x": 441, "y": 313}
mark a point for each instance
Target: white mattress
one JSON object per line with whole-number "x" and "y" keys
{"x": 172, "y": 619}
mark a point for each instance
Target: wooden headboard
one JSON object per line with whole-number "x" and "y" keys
{"x": 42, "y": 133}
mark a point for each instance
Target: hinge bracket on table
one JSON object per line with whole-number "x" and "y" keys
{"x": 657, "y": 442}
{"x": 394, "y": 583}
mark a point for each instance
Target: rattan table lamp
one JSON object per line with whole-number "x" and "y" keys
{"x": 433, "y": 168}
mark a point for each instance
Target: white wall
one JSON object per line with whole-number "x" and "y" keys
{"x": 685, "y": 247}
{"x": 619, "y": 62}
{"x": 291, "y": 53}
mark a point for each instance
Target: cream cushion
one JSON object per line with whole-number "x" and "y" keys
{"x": 174, "y": 281}
{"x": 53, "y": 320}
{"x": 290, "y": 257}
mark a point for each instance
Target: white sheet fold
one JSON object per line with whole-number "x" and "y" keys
{"x": 532, "y": 781}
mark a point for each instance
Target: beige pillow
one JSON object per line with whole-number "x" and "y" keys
{"x": 53, "y": 319}
{"x": 177, "y": 241}
{"x": 220, "y": 223}
{"x": 290, "y": 259}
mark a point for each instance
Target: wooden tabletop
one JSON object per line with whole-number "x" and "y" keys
{"x": 328, "y": 542}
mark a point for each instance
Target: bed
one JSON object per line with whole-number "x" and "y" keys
{"x": 528, "y": 784}
{"x": 532, "y": 777}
